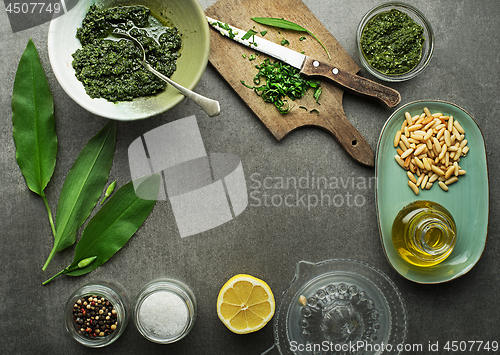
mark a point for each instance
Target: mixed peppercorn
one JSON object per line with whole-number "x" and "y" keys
{"x": 95, "y": 316}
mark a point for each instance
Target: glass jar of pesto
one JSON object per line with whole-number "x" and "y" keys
{"x": 395, "y": 41}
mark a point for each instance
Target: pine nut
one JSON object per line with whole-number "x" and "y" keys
{"x": 427, "y": 165}
{"x": 447, "y": 138}
{"x": 414, "y": 187}
{"x": 408, "y": 118}
{"x": 451, "y": 180}
{"x": 443, "y": 186}
{"x": 400, "y": 161}
{"x": 405, "y": 141}
{"x": 443, "y": 152}
{"x": 397, "y": 138}
{"x": 420, "y": 179}
{"x": 429, "y": 147}
{"x": 420, "y": 150}
{"x": 428, "y": 135}
{"x": 411, "y": 177}
{"x": 424, "y": 182}
{"x": 439, "y": 127}
{"x": 433, "y": 177}
{"x": 440, "y": 133}
{"x": 437, "y": 170}
{"x": 407, "y": 153}
{"x": 458, "y": 127}
{"x": 414, "y": 127}
{"x": 449, "y": 172}
{"x": 407, "y": 161}
{"x": 428, "y": 119}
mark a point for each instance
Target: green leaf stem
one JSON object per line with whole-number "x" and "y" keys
{"x": 83, "y": 187}
{"x": 287, "y": 25}
{"x": 112, "y": 226}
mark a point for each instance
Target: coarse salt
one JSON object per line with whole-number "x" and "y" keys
{"x": 164, "y": 314}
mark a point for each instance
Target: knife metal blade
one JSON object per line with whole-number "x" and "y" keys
{"x": 309, "y": 66}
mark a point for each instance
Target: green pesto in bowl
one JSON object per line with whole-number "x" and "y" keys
{"x": 186, "y": 15}
{"x": 392, "y": 42}
{"x": 111, "y": 67}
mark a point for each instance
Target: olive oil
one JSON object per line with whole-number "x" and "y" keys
{"x": 424, "y": 233}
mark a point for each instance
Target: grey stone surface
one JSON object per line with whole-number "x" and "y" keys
{"x": 263, "y": 241}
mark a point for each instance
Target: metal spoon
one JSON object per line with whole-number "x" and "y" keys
{"x": 211, "y": 107}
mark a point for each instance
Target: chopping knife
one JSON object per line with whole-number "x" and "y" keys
{"x": 309, "y": 66}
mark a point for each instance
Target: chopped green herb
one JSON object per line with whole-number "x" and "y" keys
{"x": 280, "y": 81}
{"x": 226, "y": 27}
{"x": 285, "y": 42}
{"x": 317, "y": 94}
{"x": 244, "y": 55}
{"x": 252, "y": 57}
{"x": 315, "y": 110}
{"x": 248, "y": 86}
{"x": 263, "y": 33}
{"x": 302, "y": 38}
{"x": 302, "y": 52}
{"x": 303, "y": 107}
{"x": 249, "y": 34}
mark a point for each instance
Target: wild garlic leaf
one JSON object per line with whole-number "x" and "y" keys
{"x": 113, "y": 225}
{"x": 33, "y": 121}
{"x": 83, "y": 187}
{"x": 287, "y": 25}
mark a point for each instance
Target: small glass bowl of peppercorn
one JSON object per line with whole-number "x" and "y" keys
{"x": 97, "y": 313}
{"x": 395, "y": 41}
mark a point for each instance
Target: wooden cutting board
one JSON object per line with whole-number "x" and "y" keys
{"x": 227, "y": 56}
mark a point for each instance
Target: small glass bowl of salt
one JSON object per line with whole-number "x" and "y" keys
{"x": 165, "y": 311}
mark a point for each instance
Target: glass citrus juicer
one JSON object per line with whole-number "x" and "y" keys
{"x": 339, "y": 306}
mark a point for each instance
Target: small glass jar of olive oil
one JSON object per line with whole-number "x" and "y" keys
{"x": 424, "y": 233}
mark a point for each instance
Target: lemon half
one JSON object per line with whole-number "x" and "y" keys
{"x": 245, "y": 304}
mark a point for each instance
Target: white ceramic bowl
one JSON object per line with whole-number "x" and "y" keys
{"x": 187, "y": 15}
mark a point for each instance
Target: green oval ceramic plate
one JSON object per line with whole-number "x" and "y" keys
{"x": 467, "y": 199}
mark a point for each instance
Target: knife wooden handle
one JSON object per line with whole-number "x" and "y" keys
{"x": 358, "y": 84}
